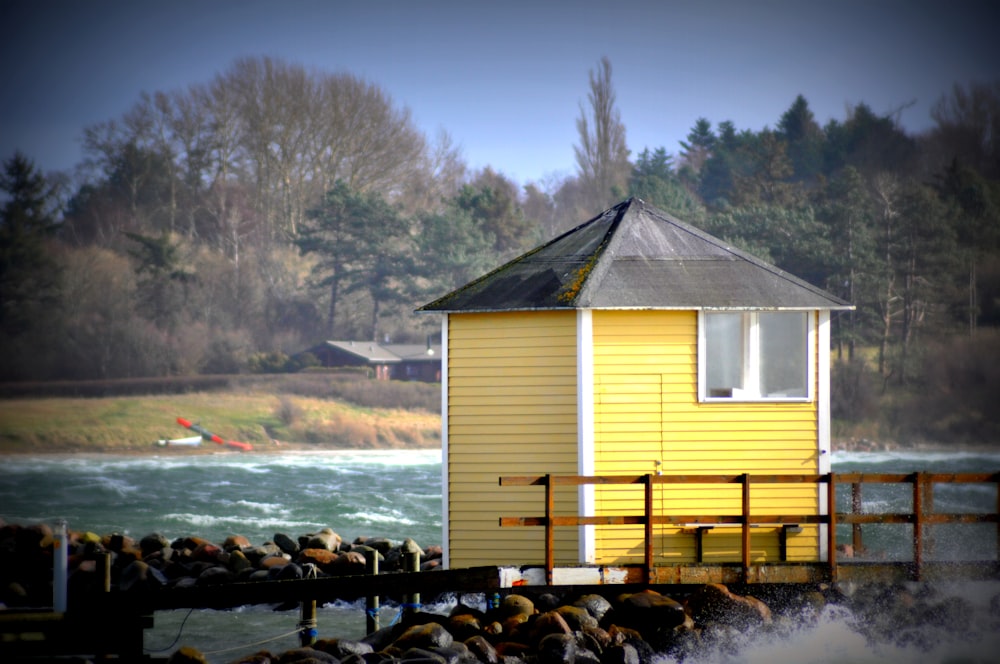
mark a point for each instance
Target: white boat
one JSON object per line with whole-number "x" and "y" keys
{"x": 190, "y": 441}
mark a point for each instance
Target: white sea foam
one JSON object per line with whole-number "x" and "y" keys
{"x": 271, "y": 508}
{"x": 907, "y": 457}
{"x": 342, "y": 458}
{"x": 236, "y": 522}
{"x": 115, "y": 485}
{"x": 376, "y": 517}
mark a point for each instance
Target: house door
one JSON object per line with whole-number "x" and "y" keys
{"x": 628, "y": 440}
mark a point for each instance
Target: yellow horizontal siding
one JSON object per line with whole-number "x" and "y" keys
{"x": 511, "y": 411}
{"x": 646, "y": 410}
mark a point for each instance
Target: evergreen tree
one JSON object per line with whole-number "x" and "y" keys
{"x": 696, "y": 150}
{"x": 163, "y": 280}
{"x": 977, "y": 200}
{"x": 360, "y": 243}
{"x": 654, "y": 181}
{"x": 29, "y": 278}
{"x": 491, "y": 202}
{"x": 804, "y": 138}
{"x": 846, "y": 210}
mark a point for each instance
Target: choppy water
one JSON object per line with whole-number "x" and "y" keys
{"x": 395, "y": 493}
{"x": 398, "y": 494}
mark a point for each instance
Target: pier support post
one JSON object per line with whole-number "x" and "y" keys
{"x": 307, "y": 623}
{"x": 59, "y": 571}
{"x": 372, "y": 601}
{"x": 104, "y": 562}
{"x": 411, "y": 563}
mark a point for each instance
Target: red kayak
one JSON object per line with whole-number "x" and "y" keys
{"x": 208, "y": 435}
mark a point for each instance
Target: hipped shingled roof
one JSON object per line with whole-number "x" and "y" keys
{"x": 634, "y": 256}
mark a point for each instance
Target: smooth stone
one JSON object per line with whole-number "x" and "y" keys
{"x": 430, "y": 635}
{"x": 714, "y": 602}
{"x": 152, "y": 543}
{"x": 286, "y": 544}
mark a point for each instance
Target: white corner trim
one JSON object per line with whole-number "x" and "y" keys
{"x": 824, "y": 449}
{"x": 445, "y": 541}
{"x": 585, "y": 425}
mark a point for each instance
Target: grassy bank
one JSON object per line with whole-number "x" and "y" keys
{"x": 271, "y": 415}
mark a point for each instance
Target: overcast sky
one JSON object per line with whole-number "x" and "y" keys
{"x": 505, "y": 79}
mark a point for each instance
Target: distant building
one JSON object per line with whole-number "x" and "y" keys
{"x": 387, "y": 361}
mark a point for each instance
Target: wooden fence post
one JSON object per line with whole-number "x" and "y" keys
{"x": 550, "y": 539}
{"x": 918, "y": 524}
{"x": 856, "y": 508}
{"x": 648, "y": 527}
{"x": 831, "y": 535}
{"x": 745, "y": 533}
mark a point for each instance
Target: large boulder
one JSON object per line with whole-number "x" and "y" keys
{"x": 206, "y": 552}
{"x": 321, "y": 558}
{"x": 305, "y": 655}
{"x": 286, "y": 544}
{"x": 347, "y": 564}
{"x": 482, "y": 649}
{"x": 715, "y": 603}
{"x": 236, "y": 542}
{"x": 426, "y": 636}
{"x": 557, "y": 649}
{"x": 596, "y": 605}
{"x": 324, "y": 539}
{"x": 648, "y": 609}
{"x": 515, "y": 605}
{"x": 380, "y": 544}
{"x": 343, "y": 648}
{"x": 578, "y": 618}
{"x": 153, "y": 543}
{"x": 238, "y": 562}
{"x": 139, "y": 576}
{"x": 215, "y": 575}
{"x": 547, "y": 624}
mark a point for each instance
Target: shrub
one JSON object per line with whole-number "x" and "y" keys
{"x": 956, "y": 398}
{"x": 273, "y": 362}
{"x": 852, "y": 390}
{"x": 288, "y": 411}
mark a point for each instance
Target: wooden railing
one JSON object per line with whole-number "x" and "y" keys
{"x": 920, "y": 515}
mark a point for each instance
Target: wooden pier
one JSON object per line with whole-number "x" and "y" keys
{"x": 111, "y": 624}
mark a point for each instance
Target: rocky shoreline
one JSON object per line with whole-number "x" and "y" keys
{"x": 527, "y": 626}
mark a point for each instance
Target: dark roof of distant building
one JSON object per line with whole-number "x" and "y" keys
{"x": 375, "y": 353}
{"x": 634, "y": 256}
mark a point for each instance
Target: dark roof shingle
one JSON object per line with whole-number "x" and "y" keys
{"x": 634, "y": 256}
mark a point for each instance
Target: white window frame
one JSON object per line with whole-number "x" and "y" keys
{"x": 751, "y": 367}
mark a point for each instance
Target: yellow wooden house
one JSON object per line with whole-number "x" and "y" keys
{"x": 632, "y": 344}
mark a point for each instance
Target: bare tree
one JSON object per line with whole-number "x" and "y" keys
{"x": 602, "y": 155}
{"x": 887, "y": 193}
{"x": 968, "y": 127}
{"x": 303, "y": 131}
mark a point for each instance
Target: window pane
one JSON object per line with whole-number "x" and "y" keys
{"x": 724, "y": 354}
{"x": 783, "y": 362}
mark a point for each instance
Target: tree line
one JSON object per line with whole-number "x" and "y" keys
{"x": 227, "y": 226}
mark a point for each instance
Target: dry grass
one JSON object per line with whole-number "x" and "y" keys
{"x": 132, "y": 424}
